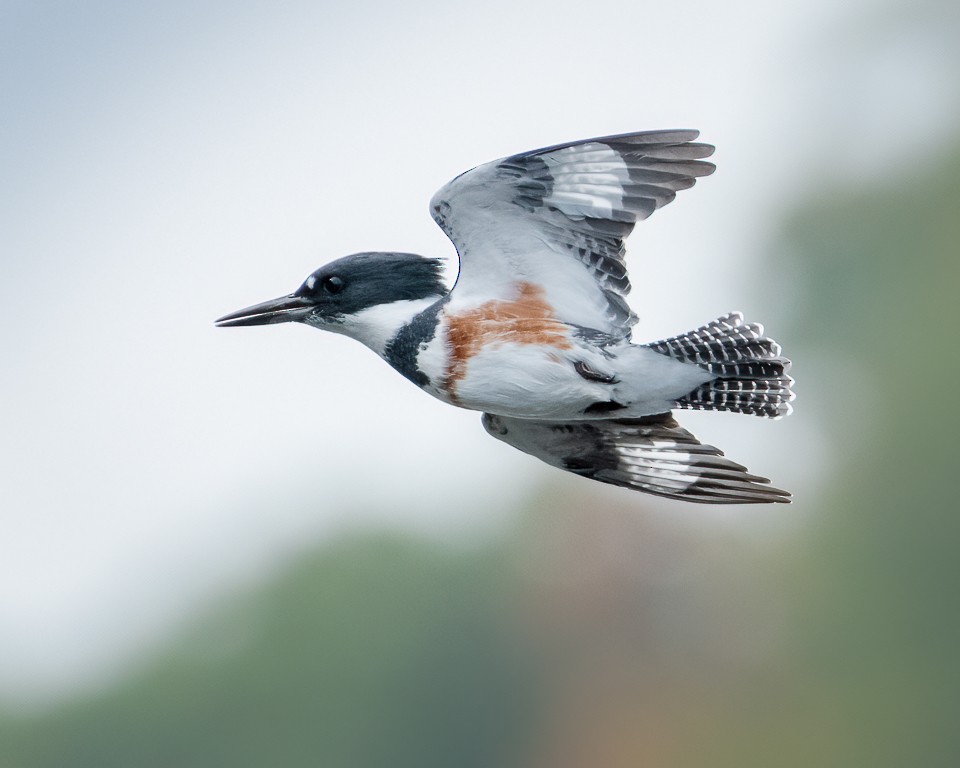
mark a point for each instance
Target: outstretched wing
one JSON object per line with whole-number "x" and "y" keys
{"x": 652, "y": 454}
{"x": 557, "y": 218}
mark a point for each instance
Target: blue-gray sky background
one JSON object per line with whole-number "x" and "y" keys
{"x": 162, "y": 166}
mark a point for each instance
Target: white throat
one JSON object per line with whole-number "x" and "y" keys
{"x": 376, "y": 326}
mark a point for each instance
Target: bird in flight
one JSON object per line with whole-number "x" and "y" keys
{"x": 536, "y": 331}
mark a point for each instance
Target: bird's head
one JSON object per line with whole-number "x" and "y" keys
{"x": 368, "y": 296}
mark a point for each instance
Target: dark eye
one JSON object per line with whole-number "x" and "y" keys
{"x": 332, "y": 284}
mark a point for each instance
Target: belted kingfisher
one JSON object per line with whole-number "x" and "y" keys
{"x": 536, "y": 331}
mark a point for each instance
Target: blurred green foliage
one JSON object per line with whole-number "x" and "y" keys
{"x": 877, "y": 630}
{"x": 378, "y": 651}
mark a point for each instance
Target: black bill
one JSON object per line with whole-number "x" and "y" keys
{"x": 286, "y": 309}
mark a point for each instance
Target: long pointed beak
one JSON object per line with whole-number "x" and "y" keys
{"x": 283, "y": 310}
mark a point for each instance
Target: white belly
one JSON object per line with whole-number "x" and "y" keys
{"x": 525, "y": 381}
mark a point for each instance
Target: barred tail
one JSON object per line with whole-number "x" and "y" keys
{"x": 751, "y": 375}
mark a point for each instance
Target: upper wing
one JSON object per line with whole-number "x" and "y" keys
{"x": 652, "y": 454}
{"x": 557, "y": 217}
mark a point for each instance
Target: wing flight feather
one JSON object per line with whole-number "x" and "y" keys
{"x": 559, "y": 216}
{"x": 653, "y": 454}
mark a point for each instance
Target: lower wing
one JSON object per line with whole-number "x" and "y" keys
{"x": 653, "y": 454}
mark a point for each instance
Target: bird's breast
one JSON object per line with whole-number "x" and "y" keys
{"x": 498, "y": 338}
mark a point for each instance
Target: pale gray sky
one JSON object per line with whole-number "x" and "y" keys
{"x": 160, "y": 167}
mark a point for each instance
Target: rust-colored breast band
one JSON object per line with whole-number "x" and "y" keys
{"x": 527, "y": 319}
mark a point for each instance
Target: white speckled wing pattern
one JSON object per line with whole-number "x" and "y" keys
{"x": 751, "y": 373}
{"x": 653, "y": 454}
{"x": 574, "y": 202}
